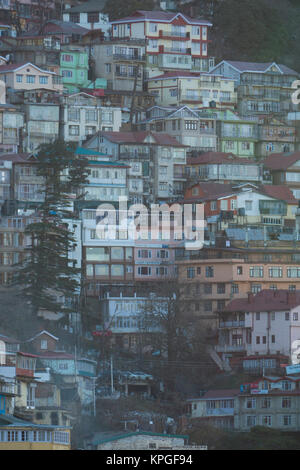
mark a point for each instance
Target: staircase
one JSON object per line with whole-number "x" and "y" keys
{"x": 223, "y": 365}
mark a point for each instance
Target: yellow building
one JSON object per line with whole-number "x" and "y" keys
{"x": 17, "y": 434}
{"x": 193, "y": 89}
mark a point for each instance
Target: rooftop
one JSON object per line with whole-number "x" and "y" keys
{"x": 266, "y": 300}
{"x": 160, "y": 16}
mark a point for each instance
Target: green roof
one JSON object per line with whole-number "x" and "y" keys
{"x": 84, "y": 151}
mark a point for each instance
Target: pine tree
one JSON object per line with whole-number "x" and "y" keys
{"x": 47, "y": 276}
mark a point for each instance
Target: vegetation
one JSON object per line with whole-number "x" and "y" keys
{"x": 259, "y": 438}
{"x": 119, "y": 9}
{"x": 46, "y": 277}
{"x": 251, "y": 30}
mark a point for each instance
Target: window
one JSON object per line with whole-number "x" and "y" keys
{"x": 198, "y": 271}
{"x": 239, "y": 270}
{"x": 44, "y": 344}
{"x": 286, "y": 402}
{"x": 275, "y": 272}
{"x": 19, "y": 78}
{"x": 93, "y": 17}
{"x": 30, "y": 79}
{"x": 73, "y": 130}
{"x": 255, "y": 288}
{"x": 234, "y": 288}
{"x": 44, "y": 80}
{"x": 144, "y": 271}
{"x": 295, "y": 316}
{"x": 248, "y": 205}
{"x": 264, "y": 340}
{"x": 287, "y": 316}
{"x": 257, "y": 271}
{"x": 251, "y": 403}
{"x": 257, "y": 339}
{"x": 213, "y": 205}
{"x": 190, "y": 273}
{"x": 287, "y": 420}
{"x": 221, "y": 288}
{"x": 266, "y": 420}
{"x": 273, "y": 338}
{"x": 153, "y": 27}
{"x": 207, "y": 288}
{"x": 266, "y": 403}
{"x": 257, "y": 316}
{"x": 209, "y": 271}
{"x": 207, "y": 306}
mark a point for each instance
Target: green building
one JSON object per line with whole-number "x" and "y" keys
{"x": 74, "y": 65}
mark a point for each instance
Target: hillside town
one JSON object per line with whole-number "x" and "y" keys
{"x": 149, "y": 232}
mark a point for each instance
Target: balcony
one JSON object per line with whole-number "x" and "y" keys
{"x": 228, "y": 348}
{"x": 220, "y": 412}
{"x": 196, "y": 98}
{"x": 177, "y": 50}
{"x": 174, "y": 34}
{"x": 8, "y": 388}
{"x": 231, "y": 324}
{"x": 129, "y": 57}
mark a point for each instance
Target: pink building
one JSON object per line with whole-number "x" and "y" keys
{"x": 265, "y": 323}
{"x": 27, "y": 76}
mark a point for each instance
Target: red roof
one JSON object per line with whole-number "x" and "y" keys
{"x": 211, "y": 191}
{"x": 163, "y": 16}
{"x": 139, "y": 138}
{"x": 177, "y": 73}
{"x": 281, "y": 192}
{"x": 218, "y": 157}
{"x": 281, "y": 161}
{"x": 265, "y": 301}
{"x": 16, "y": 157}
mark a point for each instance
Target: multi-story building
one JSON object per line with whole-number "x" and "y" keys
{"x": 13, "y": 243}
{"x": 74, "y": 66}
{"x": 41, "y": 50}
{"x": 158, "y": 154}
{"x": 124, "y": 317}
{"x": 215, "y": 407}
{"x": 185, "y": 125}
{"x": 215, "y": 275}
{"x": 275, "y": 136}
{"x": 284, "y": 168}
{"x": 270, "y": 401}
{"x": 182, "y": 88}
{"x": 27, "y": 76}
{"x": 265, "y": 323}
{"x": 42, "y": 124}
{"x": 270, "y": 208}
{"x": 174, "y": 40}
{"x": 263, "y": 88}
{"x": 88, "y": 15}
{"x": 121, "y": 62}
{"x": 18, "y": 434}
{"x": 222, "y": 168}
{"x": 66, "y": 32}
{"x": 5, "y": 181}
{"x": 238, "y": 136}
{"x": 82, "y": 115}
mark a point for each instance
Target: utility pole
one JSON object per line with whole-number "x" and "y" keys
{"x": 111, "y": 375}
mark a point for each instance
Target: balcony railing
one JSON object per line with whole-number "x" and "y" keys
{"x": 230, "y": 348}
{"x": 174, "y": 34}
{"x": 129, "y": 57}
{"x": 220, "y": 411}
{"x": 8, "y": 388}
{"x": 233, "y": 324}
{"x": 178, "y": 50}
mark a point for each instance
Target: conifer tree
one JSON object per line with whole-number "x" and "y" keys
{"x": 47, "y": 276}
